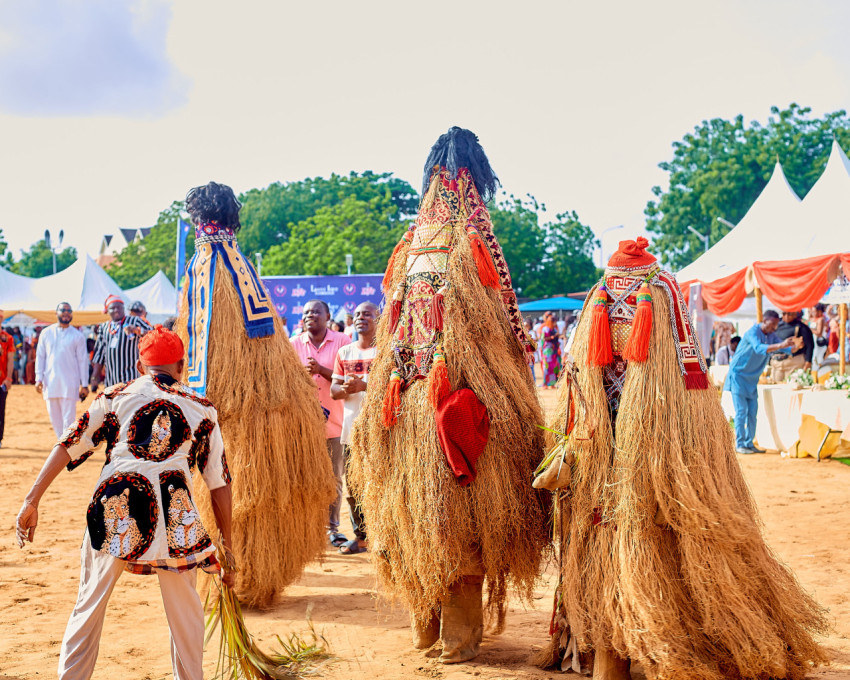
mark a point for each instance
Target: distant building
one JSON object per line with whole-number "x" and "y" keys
{"x": 108, "y": 249}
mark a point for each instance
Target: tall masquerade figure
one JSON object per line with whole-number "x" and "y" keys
{"x": 443, "y": 452}
{"x": 662, "y": 559}
{"x": 272, "y": 424}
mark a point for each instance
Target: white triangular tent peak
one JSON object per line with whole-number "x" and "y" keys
{"x": 84, "y": 284}
{"x": 157, "y": 294}
{"x": 825, "y": 214}
{"x": 775, "y": 207}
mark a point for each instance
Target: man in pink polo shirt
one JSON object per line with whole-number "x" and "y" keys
{"x": 317, "y": 348}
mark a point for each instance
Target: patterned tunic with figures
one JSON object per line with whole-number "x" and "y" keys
{"x": 155, "y": 432}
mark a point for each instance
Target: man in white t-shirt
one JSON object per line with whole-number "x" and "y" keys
{"x": 350, "y": 375}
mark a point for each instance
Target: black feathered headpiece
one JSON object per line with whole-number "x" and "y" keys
{"x": 457, "y": 149}
{"x": 214, "y": 202}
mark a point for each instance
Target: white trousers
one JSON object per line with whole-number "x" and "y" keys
{"x": 98, "y": 575}
{"x": 63, "y": 413}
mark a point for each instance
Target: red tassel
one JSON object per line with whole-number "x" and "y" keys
{"x": 395, "y": 314}
{"x": 696, "y": 381}
{"x": 486, "y": 269}
{"x": 434, "y": 316}
{"x": 438, "y": 381}
{"x": 392, "y": 401}
{"x": 637, "y": 346}
{"x": 600, "y": 353}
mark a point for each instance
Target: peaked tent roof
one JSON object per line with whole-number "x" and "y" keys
{"x": 825, "y": 216}
{"x": 775, "y": 205}
{"x": 157, "y": 294}
{"x": 800, "y": 263}
{"x": 796, "y": 252}
{"x": 84, "y": 284}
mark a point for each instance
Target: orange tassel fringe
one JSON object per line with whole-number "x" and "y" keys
{"x": 637, "y": 346}
{"x": 438, "y": 381}
{"x": 483, "y": 260}
{"x": 600, "y": 353}
{"x": 392, "y": 401}
{"x": 388, "y": 274}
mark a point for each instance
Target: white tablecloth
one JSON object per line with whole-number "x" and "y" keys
{"x": 781, "y": 411}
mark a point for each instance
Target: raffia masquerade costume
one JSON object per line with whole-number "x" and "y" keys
{"x": 271, "y": 422}
{"x": 662, "y": 560}
{"x": 442, "y": 453}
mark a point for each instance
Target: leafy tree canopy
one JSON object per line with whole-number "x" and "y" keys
{"x": 268, "y": 217}
{"x": 5, "y": 256}
{"x": 720, "y": 168}
{"x": 554, "y": 257}
{"x": 368, "y": 230}
{"x": 268, "y": 214}
{"x": 140, "y": 260}
{"x": 38, "y": 260}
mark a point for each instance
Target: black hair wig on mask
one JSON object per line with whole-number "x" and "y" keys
{"x": 214, "y": 202}
{"x": 457, "y": 149}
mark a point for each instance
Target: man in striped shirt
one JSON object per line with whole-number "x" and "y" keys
{"x": 117, "y": 346}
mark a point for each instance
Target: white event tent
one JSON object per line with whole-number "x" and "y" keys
{"x": 742, "y": 245}
{"x": 158, "y": 295}
{"x": 788, "y": 249}
{"x": 84, "y": 285}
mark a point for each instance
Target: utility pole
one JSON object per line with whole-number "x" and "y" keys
{"x": 50, "y": 245}
{"x": 602, "y": 245}
{"x": 701, "y": 237}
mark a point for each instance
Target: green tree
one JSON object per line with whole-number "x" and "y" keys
{"x": 720, "y": 168}
{"x": 554, "y": 257}
{"x": 6, "y": 261}
{"x": 368, "y": 230}
{"x": 140, "y": 260}
{"x": 268, "y": 214}
{"x": 38, "y": 260}
{"x": 568, "y": 264}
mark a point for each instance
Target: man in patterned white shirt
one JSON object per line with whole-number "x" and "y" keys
{"x": 142, "y": 517}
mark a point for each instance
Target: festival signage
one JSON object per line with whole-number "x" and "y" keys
{"x": 342, "y": 293}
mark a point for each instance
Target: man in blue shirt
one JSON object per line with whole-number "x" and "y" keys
{"x": 744, "y": 371}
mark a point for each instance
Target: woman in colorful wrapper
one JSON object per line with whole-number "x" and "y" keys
{"x": 662, "y": 559}
{"x": 271, "y": 421}
{"x": 448, "y": 438}
{"x": 550, "y": 349}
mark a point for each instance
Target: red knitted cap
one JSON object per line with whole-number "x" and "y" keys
{"x": 160, "y": 347}
{"x": 631, "y": 254}
{"x": 109, "y": 300}
{"x": 463, "y": 427}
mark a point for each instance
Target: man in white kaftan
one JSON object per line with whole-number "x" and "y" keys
{"x": 62, "y": 369}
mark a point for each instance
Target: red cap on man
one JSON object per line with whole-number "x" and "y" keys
{"x": 160, "y": 347}
{"x": 109, "y": 300}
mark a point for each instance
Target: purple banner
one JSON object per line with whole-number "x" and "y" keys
{"x": 342, "y": 293}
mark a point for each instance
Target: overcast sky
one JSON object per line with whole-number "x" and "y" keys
{"x": 110, "y": 109}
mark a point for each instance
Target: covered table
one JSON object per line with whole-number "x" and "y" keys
{"x": 801, "y": 422}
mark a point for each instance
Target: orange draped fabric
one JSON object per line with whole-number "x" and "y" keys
{"x": 797, "y": 284}
{"x": 725, "y": 295}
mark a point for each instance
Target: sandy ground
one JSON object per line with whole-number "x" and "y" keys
{"x": 802, "y": 504}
